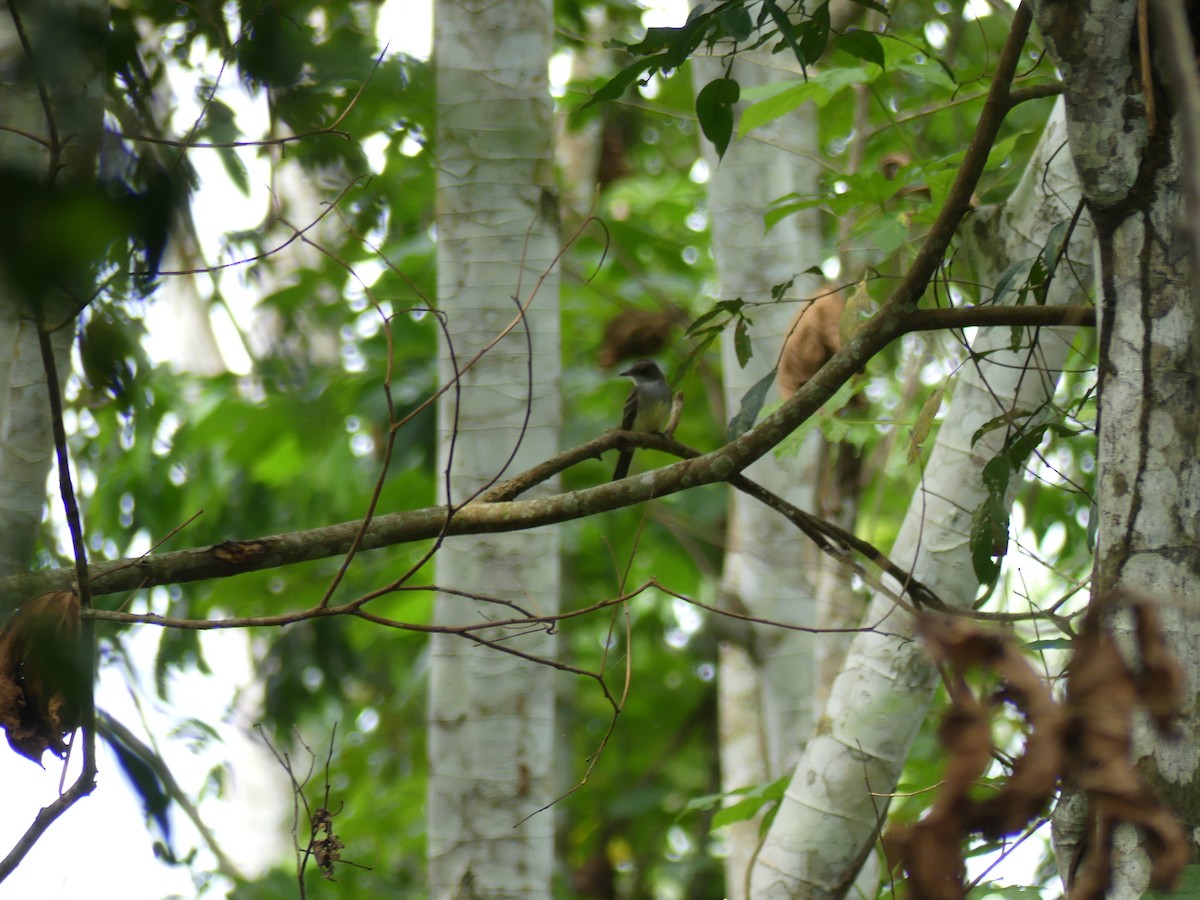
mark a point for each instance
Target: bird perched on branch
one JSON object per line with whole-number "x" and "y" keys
{"x": 646, "y": 408}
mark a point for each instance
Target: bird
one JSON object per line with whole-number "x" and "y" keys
{"x": 646, "y": 407}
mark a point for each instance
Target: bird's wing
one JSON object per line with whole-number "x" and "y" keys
{"x": 630, "y": 414}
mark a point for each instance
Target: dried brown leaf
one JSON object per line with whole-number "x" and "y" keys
{"x": 931, "y": 849}
{"x": 40, "y": 679}
{"x": 813, "y": 337}
{"x": 635, "y": 333}
{"x": 1102, "y": 693}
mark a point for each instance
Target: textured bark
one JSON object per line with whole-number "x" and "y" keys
{"x": 67, "y": 121}
{"x": 766, "y": 684}
{"x": 491, "y": 715}
{"x": 1132, "y": 166}
{"x": 829, "y": 818}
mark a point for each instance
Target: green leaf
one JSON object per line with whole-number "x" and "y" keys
{"x": 698, "y": 350}
{"x": 617, "y": 85}
{"x": 778, "y": 290}
{"x": 787, "y": 30}
{"x": 927, "y": 70}
{"x": 751, "y": 403}
{"x": 816, "y": 33}
{"x": 235, "y": 169}
{"x": 861, "y": 45}
{"x": 781, "y": 211}
{"x": 1017, "y": 273}
{"x": 737, "y": 24}
{"x": 820, "y": 89}
{"x": 741, "y": 342}
{"x": 751, "y": 800}
{"x": 989, "y": 529}
{"x": 729, "y": 307}
{"x": 1054, "y": 242}
{"x": 714, "y": 109}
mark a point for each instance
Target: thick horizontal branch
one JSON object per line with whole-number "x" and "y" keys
{"x": 992, "y": 316}
{"x": 496, "y": 512}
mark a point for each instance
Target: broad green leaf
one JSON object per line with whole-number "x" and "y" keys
{"x": 235, "y": 169}
{"x": 989, "y": 530}
{"x": 736, "y": 22}
{"x": 1017, "y": 273}
{"x": 728, "y": 307}
{"x": 714, "y": 109}
{"x": 751, "y": 403}
{"x": 750, "y": 801}
{"x": 889, "y": 234}
{"x": 617, "y": 85}
{"x": 926, "y": 70}
{"x": 759, "y": 114}
{"x": 787, "y": 30}
{"x": 1050, "y": 252}
{"x": 815, "y": 34}
{"x": 741, "y": 342}
{"x": 820, "y": 89}
{"x": 861, "y": 45}
{"x": 777, "y": 214}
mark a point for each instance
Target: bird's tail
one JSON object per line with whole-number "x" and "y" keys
{"x": 624, "y": 458}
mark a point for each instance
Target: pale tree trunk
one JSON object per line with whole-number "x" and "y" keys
{"x": 179, "y": 316}
{"x": 829, "y": 818}
{"x": 74, "y": 76}
{"x": 491, "y": 714}
{"x": 1148, "y": 485}
{"x": 766, "y": 678}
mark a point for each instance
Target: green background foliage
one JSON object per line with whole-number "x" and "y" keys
{"x": 298, "y": 441}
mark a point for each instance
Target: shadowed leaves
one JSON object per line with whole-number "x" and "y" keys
{"x": 40, "y": 681}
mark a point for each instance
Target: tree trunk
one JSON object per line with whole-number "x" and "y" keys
{"x": 1132, "y": 166}
{"x": 491, "y": 714}
{"x": 833, "y": 807}
{"x": 765, "y": 686}
{"x": 68, "y": 123}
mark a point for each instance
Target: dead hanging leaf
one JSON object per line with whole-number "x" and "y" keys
{"x": 855, "y": 310}
{"x": 1087, "y": 744}
{"x": 812, "y": 338}
{"x": 635, "y": 333}
{"x": 930, "y": 850}
{"x": 1102, "y": 692}
{"x": 41, "y": 682}
{"x": 924, "y": 424}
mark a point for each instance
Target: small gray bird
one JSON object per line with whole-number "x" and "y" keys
{"x": 646, "y": 408}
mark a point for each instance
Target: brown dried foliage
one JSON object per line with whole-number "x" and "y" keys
{"x": 1085, "y": 743}
{"x": 1102, "y": 692}
{"x": 635, "y": 333}
{"x": 813, "y": 337}
{"x": 930, "y": 849}
{"x": 40, "y": 679}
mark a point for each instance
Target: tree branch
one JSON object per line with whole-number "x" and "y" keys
{"x": 495, "y": 510}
